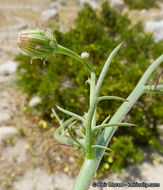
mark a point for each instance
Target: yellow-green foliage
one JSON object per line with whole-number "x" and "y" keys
{"x": 98, "y": 35}
{"x": 142, "y": 4}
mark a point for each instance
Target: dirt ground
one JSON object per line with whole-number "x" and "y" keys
{"x": 33, "y": 147}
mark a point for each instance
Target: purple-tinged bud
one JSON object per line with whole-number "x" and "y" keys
{"x": 37, "y": 43}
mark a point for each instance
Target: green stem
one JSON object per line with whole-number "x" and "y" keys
{"x": 94, "y": 100}
{"x": 62, "y": 50}
{"x": 89, "y": 167}
{"x": 91, "y": 120}
{"x": 89, "y": 153}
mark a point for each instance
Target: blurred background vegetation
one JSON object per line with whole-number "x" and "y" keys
{"x": 62, "y": 81}
{"x": 142, "y": 4}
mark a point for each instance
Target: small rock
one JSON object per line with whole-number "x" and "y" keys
{"x": 49, "y": 14}
{"x": 117, "y": 4}
{"x": 54, "y": 5}
{"x": 64, "y": 181}
{"x": 5, "y": 114}
{"x": 8, "y": 68}
{"x": 7, "y": 79}
{"x": 150, "y": 26}
{"x": 35, "y": 179}
{"x": 58, "y": 158}
{"x": 160, "y": 130}
{"x": 156, "y": 27}
{"x": 125, "y": 10}
{"x": 15, "y": 153}
{"x": 92, "y": 3}
{"x": 34, "y": 101}
{"x": 71, "y": 159}
{"x": 20, "y": 26}
{"x": 6, "y": 132}
{"x": 144, "y": 13}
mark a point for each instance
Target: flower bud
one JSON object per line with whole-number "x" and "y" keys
{"x": 85, "y": 55}
{"x": 37, "y": 43}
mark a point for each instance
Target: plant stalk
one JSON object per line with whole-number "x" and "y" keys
{"x": 90, "y": 166}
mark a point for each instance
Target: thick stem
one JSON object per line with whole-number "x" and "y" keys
{"x": 91, "y": 117}
{"x": 89, "y": 167}
{"x": 89, "y": 153}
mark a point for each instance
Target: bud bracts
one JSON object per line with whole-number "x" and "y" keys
{"x": 37, "y": 43}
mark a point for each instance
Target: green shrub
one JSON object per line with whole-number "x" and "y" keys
{"x": 142, "y": 4}
{"x": 62, "y": 80}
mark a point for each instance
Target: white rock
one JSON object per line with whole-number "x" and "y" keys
{"x": 71, "y": 159}
{"x": 49, "y": 14}
{"x": 92, "y": 3}
{"x": 6, "y": 132}
{"x": 6, "y": 78}
{"x": 8, "y": 68}
{"x": 5, "y": 114}
{"x": 20, "y": 26}
{"x": 54, "y": 5}
{"x": 34, "y": 101}
{"x": 117, "y": 4}
{"x": 160, "y": 130}
{"x": 34, "y": 179}
{"x": 15, "y": 153}
{"x": 156, "y": 27}
{"x": 144, "y": 13}
{"x": 64, "y": 181}
{"x": 58, "y": 158}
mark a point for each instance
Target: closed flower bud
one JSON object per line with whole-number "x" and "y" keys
{"x": 85, "y": 55}
{"x": 37, "y": 43}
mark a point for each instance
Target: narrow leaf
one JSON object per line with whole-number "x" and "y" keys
{"x": 152, "y": 88}
{"x": 57, "y": 117}
{"x": 72, "y": 136}
{"x": 112, "y": 98}
{"x": 112, "y": 125}
{"x": 71, "y": 114}
{"x": 101, "y": 147}
{"x": 106, "y": 120}
{"x": 106, "y": 67}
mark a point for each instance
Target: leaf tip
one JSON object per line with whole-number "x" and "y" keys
{"x": 123, "y": 43}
